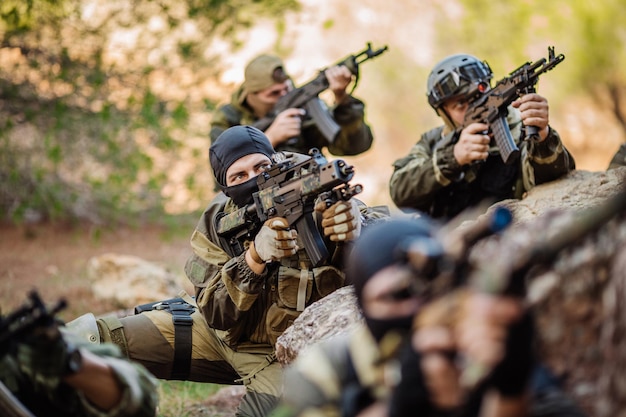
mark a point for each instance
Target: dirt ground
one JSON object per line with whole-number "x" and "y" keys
{"x": 52, "y": 259}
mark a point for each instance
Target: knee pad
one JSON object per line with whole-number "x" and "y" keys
{"x": 85, "y": 328}
{"x": 111, "y": 330}
{"x": 98, "y": 330}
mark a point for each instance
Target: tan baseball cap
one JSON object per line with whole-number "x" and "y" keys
{"x": 259, "y": 73}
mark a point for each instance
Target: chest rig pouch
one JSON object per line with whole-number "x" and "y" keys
{"x": 297, "y": 286}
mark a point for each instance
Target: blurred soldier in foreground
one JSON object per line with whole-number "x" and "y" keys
{"x": 51, "y": 371}
{"x": 387, "y": 369}
{"x": 352, "y": 372}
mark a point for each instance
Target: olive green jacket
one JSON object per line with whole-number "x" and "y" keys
{"x": 251, "y": 308}
{"x": 355, "y": 136}
{"x": 429, "y": 178}
{"x": 323, "y": 379}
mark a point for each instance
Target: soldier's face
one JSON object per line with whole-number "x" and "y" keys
{"x": 388, "y": 294}
{"x": 456, "y": 108}
{"x": 245, "y": 168}
{"x": 273, "y": 93}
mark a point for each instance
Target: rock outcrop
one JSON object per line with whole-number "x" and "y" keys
{"x": 578, "y": 296}
{"x": 130, "y": 280}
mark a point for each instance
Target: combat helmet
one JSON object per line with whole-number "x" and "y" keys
{"x": 456, "y": 75}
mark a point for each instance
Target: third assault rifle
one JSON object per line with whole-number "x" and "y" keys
{"x": 290, "y": 188}
{"x": 490, "y": 105}
{"x": 305, "y": 96}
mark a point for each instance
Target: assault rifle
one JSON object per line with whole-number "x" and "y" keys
{"x": 21, "y": 322}
{"x": 443, "y": 260}
{"x": 305, "y": 97}
{"x": 14, "y": 327}
{"x": 491, "y": 105}
{"x": 290, "y": 188}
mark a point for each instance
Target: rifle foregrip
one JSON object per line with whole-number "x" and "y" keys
{"x": 502, "y": 134}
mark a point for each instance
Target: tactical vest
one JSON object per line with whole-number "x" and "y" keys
{"x": 493, "y": 179}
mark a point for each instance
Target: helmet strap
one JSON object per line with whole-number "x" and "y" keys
{"x": 447, "y": 120}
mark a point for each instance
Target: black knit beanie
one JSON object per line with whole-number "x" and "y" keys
{"x": 234, "y": 143}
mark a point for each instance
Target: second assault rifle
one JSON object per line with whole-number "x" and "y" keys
{"x": 490, "y": 105}
{"x": 290, "y": 188}
{"x": 305, "y": 96}
{"x": 15, "y": 327}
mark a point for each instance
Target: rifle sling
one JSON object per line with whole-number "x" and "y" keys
{"x": 302, "y": 286}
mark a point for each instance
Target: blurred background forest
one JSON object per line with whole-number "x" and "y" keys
{"x": 105, "y": 105}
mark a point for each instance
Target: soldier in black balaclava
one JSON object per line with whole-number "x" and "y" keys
{"x": 246, "y": 295}
{"x": 351, "y": 373}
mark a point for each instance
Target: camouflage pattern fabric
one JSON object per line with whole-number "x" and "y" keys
{"x": 429, "y": 178}
{"x": 51, "y": 397}
{"x": 335, "y": 375}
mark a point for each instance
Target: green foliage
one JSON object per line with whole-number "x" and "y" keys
{"x": 592, "y": 36}
{"x": 19, "y": 15}
{"x": 176, "y": 396}
{"x": 101, "y": 142}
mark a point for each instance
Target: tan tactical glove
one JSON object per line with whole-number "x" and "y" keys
{"x": 341, "y": 221}
{"x": 274, "y": 241}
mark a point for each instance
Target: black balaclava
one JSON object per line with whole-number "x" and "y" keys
{"x": 376, "y": 249}
{"x": 234, "y": 143}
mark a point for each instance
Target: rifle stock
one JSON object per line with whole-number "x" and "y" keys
{"x": 306, "y": 96}
{"x": 491, "y": 105}
{"x": 444, "y": 258}
{"x": 290, "y": 189}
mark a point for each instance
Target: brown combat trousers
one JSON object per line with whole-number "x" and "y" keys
{"x": 149, "y": 338}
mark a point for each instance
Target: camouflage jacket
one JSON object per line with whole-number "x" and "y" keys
{"x": 336, "y": 377}
{"x": 255, "y": 309}
{"x": 429, "y": 178}
{"x": 619, "y": 159}
{"x": 355, "y": 136}
{"x": 139, "y": 398}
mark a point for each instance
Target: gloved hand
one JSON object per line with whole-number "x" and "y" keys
{"x": 44, "y": 356}
{"x": 341, "y": 221}
{"x": 274, "y": 241}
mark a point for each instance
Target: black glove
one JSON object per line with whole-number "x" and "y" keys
{"x": 410, "y": 396}
{"x": 512, "y": 376}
